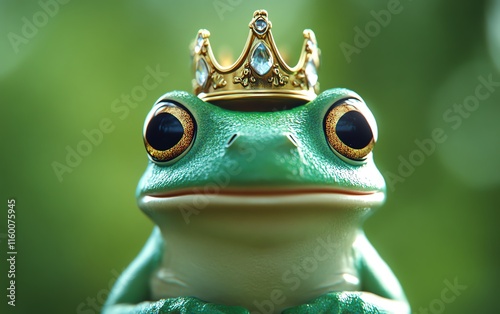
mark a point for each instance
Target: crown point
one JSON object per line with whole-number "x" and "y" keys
{"x": 258, "y": 13}
{"x": 260, "y": 23}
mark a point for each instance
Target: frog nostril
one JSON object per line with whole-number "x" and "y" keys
{"x": 232, "y": 139}
{"x": 292, "y": 139}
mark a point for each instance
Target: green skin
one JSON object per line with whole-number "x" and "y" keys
{"x": 256, "y": 157}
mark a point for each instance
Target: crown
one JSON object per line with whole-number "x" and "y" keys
{"x": 259, "y": 72}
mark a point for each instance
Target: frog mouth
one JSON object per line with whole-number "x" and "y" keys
{"x": 256, "y": 192}
{"x": 267, "y": 197}
{"x": 259, "y": 215}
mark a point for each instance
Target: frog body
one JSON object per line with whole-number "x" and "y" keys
{"x": 259, "y": 211}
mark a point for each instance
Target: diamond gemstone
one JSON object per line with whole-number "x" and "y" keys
{"x": 260, "y": 25}
{"x": 199, "y": 42}
{"x": 311, "y": 45}
{"x": 201, "y": 72}
{"x": 312, "y": 74}
{"x": 261, "y": 60}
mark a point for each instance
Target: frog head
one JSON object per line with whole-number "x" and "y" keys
{"x": 228, "y": 168}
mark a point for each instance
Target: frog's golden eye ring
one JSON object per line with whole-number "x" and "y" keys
{"x": 348, "y": 131}
{"x": 168, "y": 132}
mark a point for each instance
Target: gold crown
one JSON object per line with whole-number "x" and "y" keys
{"x": 259, "y": 72}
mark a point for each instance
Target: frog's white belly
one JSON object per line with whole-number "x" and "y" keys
{"x": 260, "y": 255}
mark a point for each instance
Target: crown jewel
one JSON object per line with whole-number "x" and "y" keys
{"x": 260, "y": 71}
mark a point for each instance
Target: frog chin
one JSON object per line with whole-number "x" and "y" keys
{"x": 278, "y": 214}
{"x": 228, "y": 246}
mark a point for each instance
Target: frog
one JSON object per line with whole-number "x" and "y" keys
{"x": 259, "y": 211}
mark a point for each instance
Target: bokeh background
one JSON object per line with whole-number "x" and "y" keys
{"x": 61, "y": 75}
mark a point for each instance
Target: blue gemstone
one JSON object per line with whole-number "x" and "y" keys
{"x": 201, "y": 72}
{"x": 260, "y": 25}
{"x": 261, "y": 60}
{"x": 199, "y": 42}
{"x": 311, "y": 73}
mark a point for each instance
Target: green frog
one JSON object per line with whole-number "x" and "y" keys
{"x": 259, "y": 188}
{"x": 259, "y": 211}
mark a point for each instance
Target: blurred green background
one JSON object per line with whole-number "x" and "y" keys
{"x": 60, "y": 76}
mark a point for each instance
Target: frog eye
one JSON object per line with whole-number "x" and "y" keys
{"x": 348, "y": 130}
{"x": 168, "y": 132}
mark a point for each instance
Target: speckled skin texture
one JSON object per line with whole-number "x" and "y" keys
{"x": 340, "y": 302}
{"x": 267, "y": 159}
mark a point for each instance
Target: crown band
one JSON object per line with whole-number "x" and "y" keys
{"x": 260, "y": 71}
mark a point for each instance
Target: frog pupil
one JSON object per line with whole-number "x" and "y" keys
{"x": 164, "y": 131}
{"x": 353, "y": 130}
